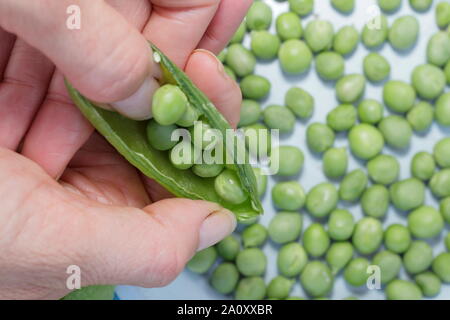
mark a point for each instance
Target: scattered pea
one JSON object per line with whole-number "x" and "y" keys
{"x": 447, "y": 241}
{"x": 375, "y": 32}
{"x": 370, "y": 111}
{"x": 330, "y": 65}
{"x": 397, "y": 238}
{"x": 279, "y": 117}
{"x": 375, "y": 201}
{"x": 342, "y": 118}
{"x": 445, "y": 209}
{"x": 418, "y": 257}
{"x": 353, "y": 185}
{"x": 441, "y": 266}
{"x": 290, "y": 160}
{"x": 228, "y": 248}
{"x": 288, "y": 195}
{"x": 317, "y": 279}
{"x": 289, "y": 26}
{"x": 316, "y": 240}
{"x": 429, "y": 81}
{"x": 292, "y": 259}
{"x": 295, "y": 56}
{"x": 366, "y": 141}
{"x": 389, "y": 5}
{"x": 265, "y": 45}
{"x": 376, "y": 67}
{"x": 250, "y": 113}
{"x": 403, "y": 290}
{"x": 350, "y": 88}
{"x": 438, "y": 49}
{"x": 340, "y": 225}
{"x": 240, "y": 60}
{"x": 355, "y": 273}
{"x": 255, "y": 87}
{"x": 389, "y": 264}
{"x": 322, "y": 200}
{"x": 225, "y": 278}
{"x": 339, "y": 255}
{"x": 399, "y": 96}
{"x": 239, "y": 35}
{"x": 202, "y": 261}
{"x": 429, "y": 283}
{"x": 259, "y": 16}
{"x": 251, "y": 262}
{"x": 300, "y": 102}
{"x": 285, "y": 227}
{"x": 404, "y": 32}
{"x": 425, "y": 222}
{"x": 346, "y": 40}
{"x": 383, "y": 169}
{"x": 335, "y": 162}
{"x": 443, "y": 14}
{"x": 421, "y": 5}
{"x": 408, "y": 194}
{"x": 421, "y": 116}
{"x": 320, "y": 137}
{"x": 368, "y": 235}
{"x": 345, "y": 6}
{"x": 254, "y": 236}
{"x": 301, "y": 7}
{"x": 440, "y": 183}
{"x": 423, "y": 166}
{"x": 319, "y": 35}
{"x": 442, "y": 153}
{"x": 279, "y": 288}
{"x": 252, "y": 288}
{"x": 442, "y": 110}
{"x": 396, "y": 131}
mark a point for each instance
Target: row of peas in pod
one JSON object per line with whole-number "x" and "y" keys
{"x": 336, "y": 244}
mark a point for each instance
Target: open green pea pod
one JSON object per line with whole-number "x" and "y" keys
{"x": 129, "y": 138}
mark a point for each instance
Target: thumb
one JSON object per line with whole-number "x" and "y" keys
{"x": 106, "y": 58}
{"x": 150, "y": 247}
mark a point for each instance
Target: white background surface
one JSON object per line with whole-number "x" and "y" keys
{"x": 191, "y": 286}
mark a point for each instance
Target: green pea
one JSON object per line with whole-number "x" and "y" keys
{"x": 320, "y": 137}
{"x": 438, "y": 49}
{"x": 228, "y": 248}
{"x": 228, "y": 187}
{"x": 279, "y": 287}
{"x": 441, "y": 266}
{"x": 300, "y": 102}
{"x": 285, "y": 227}
{"x": 342, "y": 118}
{"x": 429, "y": 283}
{"x": 230, "y": 72}
{"x": 265, "y": 45}
{"x": 335, "y": 162}
{"x": 368, "y": 235}
{"x": 239, "y": 35}
{"x": 423, "y": 166}
{"x": 425, "y": 222}
{"x": 440, "y": 183}
{"x": 350, "y": 88}
{"x": 169, "y": 104}
{"x": 289, "y": 26}
{"x": 375, "y": 201}
{"x": 399, "y": 96}
{"x": 396, "y": 131}
{"x": 240, "y": 60}
{"x": 346, "y": 40}
{"x": 261, "y": 181}
{"x": 251, "y": 262}
{"x": 353, "y": 185}
{"x": 397, "y": 238}
{"x": 375, "y": 32}
{"x": 225, "y": 278}
{"x": 376, "y": 67}
{"x": 403, "y": 290}
{"x": 279, "y": 117}
{"x": 339, "y": 255}
{"x": 322, "y": 200}
{"x": 289, "y": 160}
{"x": 340, "y": 225}
{"x": 429, "y": 81}
{"x": 442, "y": 110}
{"x": 183, "y": 155}
{"x": 160, "y": 137}
{"x": 355, "y": 274}
{"x": 259, "y": 16}
{"x": 250, "y": 113}
{"x": 442, "y": 153}
{"x": 207, "y": 170}
{"x": 443, "y": 14}
{"x": 404, "y": 32}
{"x": 370, "y": 111}
{"x": 254, "y": 236}
{"x": 418, "y": 257}
{"x": 445, "y": 209}
{"x": 421, "y": 116}
{"x": 301, "y": 7}
{"x": 252, "y": 288}
{"x": 345, "y": 6}
{"x": 447, "y": 241}
{"x": 316, "y": 240}
{"x": 447, "y": 72}
{"x": 288, "y": 195}
{"x": 389, "y": 5}
{"x": 255, "y": 87}
{"x": 389, "y": 264}
{"x": 202, "y": 261}
{"x": 295, "y": 56}
{"x": 408, "y": 194}
{"x": 384, "y": 169}
{"x": 222, "y": 55}
{"x": 317, "y": 279}
{"x": 330, "y": 65}
{"x": 319, "y": 35}
{"x": 291, "y": 259}
{"x": 262, "y": 140}
{"x": 421, "y": 5}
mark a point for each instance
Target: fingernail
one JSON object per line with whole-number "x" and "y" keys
{"x": 139, "y": 105}
{"x": 220, "y": 66}
{"x": 217, "y": 226}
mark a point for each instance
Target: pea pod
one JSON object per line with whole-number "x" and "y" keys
{"x": 129, "y": 138}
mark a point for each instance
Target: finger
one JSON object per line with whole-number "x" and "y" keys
{"x": 7, "y": 43}
{"x": 57, "y": 132}
{"x": 105, "y": 69}
{"x": 177, "y": 26}
{"x": 207, "y": 72}
{"x": 150, "y": 248}
{"x": 22, "y": 91}
{"x": 225, "y": 22}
